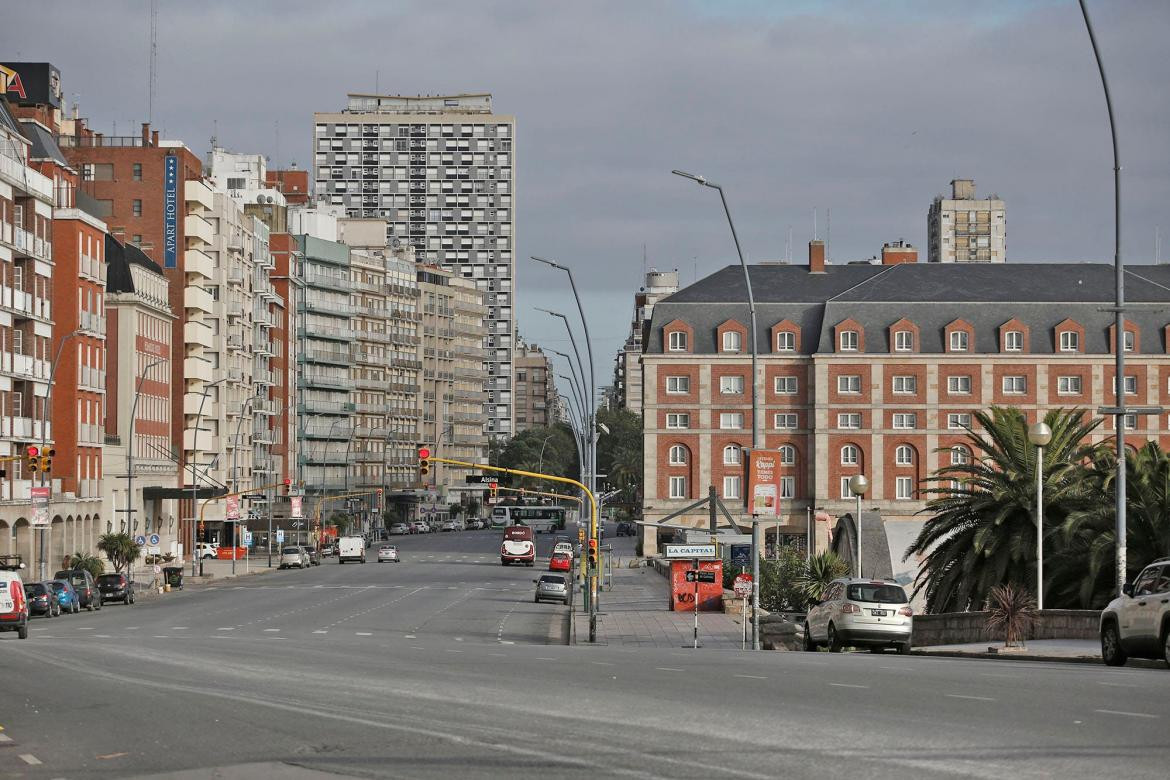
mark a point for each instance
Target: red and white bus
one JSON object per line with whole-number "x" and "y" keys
{"x": 518, "y": 546}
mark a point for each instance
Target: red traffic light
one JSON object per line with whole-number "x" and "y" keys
{"x": 287, "y": 481}
{"x": 33, "y": 451}
{"x": 423, "y": 453}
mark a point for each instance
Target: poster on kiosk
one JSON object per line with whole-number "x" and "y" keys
{"x": 763, "y": 493}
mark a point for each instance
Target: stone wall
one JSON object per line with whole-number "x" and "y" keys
{"x": 958, "y": 628}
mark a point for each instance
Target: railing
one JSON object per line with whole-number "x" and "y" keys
{"x": 94, "y": 323}
{"x": 90, "y": 267}
{"x": 91, "y": 378}
{"x": 26, "y": 178}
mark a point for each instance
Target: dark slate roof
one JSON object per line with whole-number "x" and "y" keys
{"x": 44, "y": 146}
{"x": 119, "y": 258}
{"x": 930, "y": 295}
{"x": 7, "y": 121}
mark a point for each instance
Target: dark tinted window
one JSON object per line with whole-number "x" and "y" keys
{"x": 59, "y": 586}
{"x": 36, "y": 589}
{"x": 518, "y": 533}
{"x": 1145, "y": 583}
{"x": 291, "y": 551}
{"x": 553, "y": 578}
{"x": 877, "y": 593}
{"x": 110, "y": 579}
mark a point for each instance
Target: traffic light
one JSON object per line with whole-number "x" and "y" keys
{"x": 34, "y": 462}
{"x": 379, "y": 504}
{"x": 47, "y": 460}
{"x": 593, "y": 553}
{"x": 287, "y": 486}
{"x": 424, "y": 461}
{"x": 494, "y": 490}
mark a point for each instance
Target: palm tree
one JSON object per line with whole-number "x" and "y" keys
{"x": 85, "y": 561}
{"x": 982, "y": 529}
{"x": 121, "y": 549}
{"x": 1084, "y": 571}
{"x": 821, "y": 570}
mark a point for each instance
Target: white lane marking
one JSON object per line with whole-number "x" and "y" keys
{"x": 409, "y": 636}
{"x": 102, "y": 636}
{"x": 272, "y": 630}
{"x": 506, "y": 642}
{"x": 131, "y": 628}
{"x": 668, "y": 669}
{"x": 545, "y": 659}
{"x": 362, "y": 633}
{"x": 178, "y": 628}
{"x": 973, "y": 698}
{"x": 452, "y": 651}
{"x": 1127, "y": 714}
{"x": 161, "y": 636}
{"x": 87, "y": 628}
{"x": 458, "y": 639}
{"x": 29, "y": 759}
{"x": 320, "y": 632}
{"x": 1117, "y": 685}
{"x": 847, "y": 685}
{"x": 601, "y": 663}
{"x": 5, "y": 738}
{"x": 751, "y": 677}
{"x": 225, "y": 628}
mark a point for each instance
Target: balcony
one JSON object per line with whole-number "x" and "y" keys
{"x": 235, "y": 341}
{"x": 92, "y": 324}
{"x": 263, "y": 377}
{"x": 198, "y": 333}
{"x": 25, "y": 179}
{"x": 325, "y": 332}
{"x": 198, "y": 229}
{"x": 235, "y": 309}
{"x": 197, "y": 368}
{"x": 198, "y": 299}
{"x": 235, "y": 276}
{"x": 90, "y": 268}
{"x": 327, "y": 381}
{"x": 197, "y": 263}
{"x": 337, "y": 357}
{"x": 89, "y": 378}
{"x": 206, "y": 440}
{"x": 196, "y": 192}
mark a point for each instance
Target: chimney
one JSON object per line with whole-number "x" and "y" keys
{"x": 816, "y": 257}
{"x": 154, "y": 137}
{"x": 898, "y": 252}
{"x": 145, "y": 132}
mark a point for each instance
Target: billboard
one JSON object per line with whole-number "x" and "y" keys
{"x": 171, "y": 212}
{"x": 31, "y": 83}
{"x": 763, "y": 492}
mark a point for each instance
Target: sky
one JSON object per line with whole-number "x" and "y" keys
{"x": 859, "y": 112}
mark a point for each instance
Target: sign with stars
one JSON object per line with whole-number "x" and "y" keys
{"x": 171, "y": 212}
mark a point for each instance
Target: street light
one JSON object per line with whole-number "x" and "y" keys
{"x": 130, "y": 440}
{"x": 194, "y": 480}
{"x": 247, "y": 404}
{"x": 43, "y": 552}
{"x": 702, "y": 181}
{"x": 1040, "y": 434}
{"x": 858, "y": 484}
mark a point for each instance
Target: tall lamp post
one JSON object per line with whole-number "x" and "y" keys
{"x": 1040, "y": 434}
{"x": 246, "y": 405}
{"x": 858, "y": 484}
{"x": 44, "y": 438}
{"x": 130, "y": 442}
{"x": 702, "y": 181}
{"x": 194, "y": 482}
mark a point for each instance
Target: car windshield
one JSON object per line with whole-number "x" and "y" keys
{"x": 110, "y": 579}
{"x": 291, "y": 551}
{"x": 877, "y": 593}
{"x": 548, "y": 579}
{"x": 58, "y": 586}
{"x": 36, "y": 589}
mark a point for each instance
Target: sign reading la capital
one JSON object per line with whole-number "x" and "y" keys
{"x": 700, "y": 551}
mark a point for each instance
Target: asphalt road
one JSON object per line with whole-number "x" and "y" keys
{"x": 441, "y": 665}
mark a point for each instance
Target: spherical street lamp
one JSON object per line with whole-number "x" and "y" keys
{"x": 1040, "y": 434}
{"x": 858, "y": 484}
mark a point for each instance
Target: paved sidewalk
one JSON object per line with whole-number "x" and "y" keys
{"x": 634, "y": 612}
{"x": 1082, "y": 650}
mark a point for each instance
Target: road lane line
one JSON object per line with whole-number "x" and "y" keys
{"x": 5, "y": 738}
{"x": 668, "y": 669}
{"x": 225, "y": 628}
{"x": 178, "y": 628}
{"x": 1127, "y": 714}
{"x": 29, "y": 759}
{"x": 161, "y": 636}
{"x": 271, "y": 630}
{"x": 973, "y": 698}
{"x": 601, "y": 663}
{"x": 847, "y": 685}
{"x": 751, "y": 677}
{"x": 320, "y": 632}
{"x": 1117, "y": 685}
{"x": 409, "y": 636}
{"x": 362, "y": 633}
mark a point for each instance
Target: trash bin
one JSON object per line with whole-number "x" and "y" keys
{"x": 174, "y": 576}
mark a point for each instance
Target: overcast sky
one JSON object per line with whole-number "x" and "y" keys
{"x": 864, "y": 109}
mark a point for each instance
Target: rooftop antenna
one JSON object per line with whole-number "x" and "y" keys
{"x": 1157, "y": 245}
{"x": 828, "y": 234}
{"x": 789, "y": 251}
{"x": 814, "y": 223}
{"x": 153, "y": 60}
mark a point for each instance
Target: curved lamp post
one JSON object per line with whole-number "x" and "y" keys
{"x": 130, "y": 441}
{"x": 858, "y": 484}
{"x": 1040, "y": 434}
{"x": 194, "y": 479}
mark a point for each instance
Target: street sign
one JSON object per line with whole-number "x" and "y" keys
{"x": 481, "y": 479}
{"x": 154, "y": 540}
{"x": 701, "y": 551}
{"x": 233, "y": 508}
{"x": 140, "y": 540}
{"x": 254, "y": 496}
{"x": 280, "y": 536}
{"x": 153, "y": 550}
{"x": 247, "y": 538}
{"x": 694, "y": 575}
{"x": 742, "y": 586}
{"x": 741, "y": 555}
{"x": 40, "y": 504}
{"x": 157, "y": 569}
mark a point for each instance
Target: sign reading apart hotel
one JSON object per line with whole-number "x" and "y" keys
{"x": 701, "y": 551}
{"x": 171, "y": 212}
{"x": 763, "y": 493}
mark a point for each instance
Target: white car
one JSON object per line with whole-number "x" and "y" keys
{"x": 207, "y": 550}
{"x": 563, "y": 547}
{"x": 388, "y": 552}
{"x": 399, "y": 529}
{"x": 1137, "y": 623}
{"x": 860, "y": 613}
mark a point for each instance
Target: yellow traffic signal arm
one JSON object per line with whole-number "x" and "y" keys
{"x": 253, "y": 489}
{"x": 528, "y": 492}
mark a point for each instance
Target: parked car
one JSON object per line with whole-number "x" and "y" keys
{"x": 472, "y": 524}
{"x": 398, "y": 529}
{"x": 42, "y": 600}
{"x": 552, "y": 587}
{"x": 207, "y": 549}
{"x": 560, "y": 562}
{"x": 388, "y": 552}
{"x": 13, "y": 604}
{"x": 449, "y": 525}
{"x": 626, "y": 528}
{"x": 312, "y": 554}
{"x": 1136, "y": 624}
{"x": 88, "y": 593}
{"x": 420, "y": 527}
{"x": 860, "y": 613}
{"x": 565, "y": 547}
{"x": 66, "y": 595}
{"x": 116, "y": 587}
{"x": 293, "y": 556}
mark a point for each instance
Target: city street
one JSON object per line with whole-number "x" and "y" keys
{"x": 441, "y": 664}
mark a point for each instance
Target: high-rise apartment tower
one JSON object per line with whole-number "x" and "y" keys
{"x": 962, "y": 229}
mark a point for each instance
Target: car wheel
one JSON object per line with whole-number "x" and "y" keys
{"x": 809, "y": 645}
{"x": 903, "y": 648}
{"x": 1166, "y": 646}
{"x": 98, "y": 599}
{"x": 22, "y": 632}
{"x": 834, "y": 640}
{"x": 1111, "y": 652}
{"x": 76, "y": 607}
{"x": 126, "y": 600}
{"x": 877, "y": 649}
{"x": 90, "y": 606}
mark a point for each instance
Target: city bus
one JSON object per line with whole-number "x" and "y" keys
{"x": 541, "y": 519}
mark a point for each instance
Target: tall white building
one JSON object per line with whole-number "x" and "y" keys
{"x": 964, "y": 229}
{"x": 439, "y": 169}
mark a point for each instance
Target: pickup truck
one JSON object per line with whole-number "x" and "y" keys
{"x": 351, "y": 548}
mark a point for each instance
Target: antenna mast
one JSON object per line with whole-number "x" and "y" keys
{"x": 153, "y": 60}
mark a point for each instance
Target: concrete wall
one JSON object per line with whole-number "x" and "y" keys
{"x": 969, "y": 627}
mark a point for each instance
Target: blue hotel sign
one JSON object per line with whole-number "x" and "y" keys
{"x": 171, "y": 213}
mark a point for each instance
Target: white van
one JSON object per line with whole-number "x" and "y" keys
{"x": 13, "y": 604}
{"x": 351, "y": 548}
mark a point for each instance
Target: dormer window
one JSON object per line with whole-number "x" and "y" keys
{"x": 849, "y": 341}
{"x": 904, "y": 341}
{"x": 732, "y": 341}
{"x": 677, "y": 341}
{"x": 1013, "y": 341}
{"x": 960, "y": 341}
{"x": 1070, "y": 341}
{"x": 786, "y": 341}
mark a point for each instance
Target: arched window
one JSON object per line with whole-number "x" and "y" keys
{"x": 850, "y": 455}
{"x": 787, "y": 455}
{"x": 904, "y": 455}
{"x": 731, "y": 455}
{"x": 678, "y": 455}
{"x": 960, "y": 455}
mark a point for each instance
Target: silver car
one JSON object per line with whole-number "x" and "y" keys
{"x": 860, "y": 613}
{"x": 293, "y": 556}
{"x": 552, "y": 587}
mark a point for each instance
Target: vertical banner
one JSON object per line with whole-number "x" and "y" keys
{"x": 295, "y": 510}
{"x": 171, "y": 212}
{"x": 763, "y": 493}
{"x": 40, "y": 507}
{"x": 233, "y": 507}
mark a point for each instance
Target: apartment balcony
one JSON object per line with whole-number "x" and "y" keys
{"x": 235, "y": 341}
{"x": 206, "y": 440}
{"x": 328, "y": 430}
{"x": 92, "y": 379}
{"x": 326, "y": 332}
{"x": 197, "y": 368}
{"x": 327, "y": 381}
{"x": 337, "y": 357}
{"x": 24, "y": 429}
{"x": 367, "y": 456}
{"x": 315, "y": 406}
{"x": 369, "y": 383}
{"x": 235, "y": 275}
{"x": 234, "y": 309}
{"x": 196, "y": 192}
{"x": 197, "y": 263}
{"x": 25, "y": 179}
{"x": 261, "y": 435}
{"x": 90, "y": 268}
{"x": 198, "y": 299}
{"x": 193, "y": 404}
{"x": 196, "y": 332}
{"x": 197, "y": 228}
{"x": 327, "y": 281}
{"x": 263, "y": 377}
{"x": 92, "y": 324}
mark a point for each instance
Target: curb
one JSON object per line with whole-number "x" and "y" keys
{"x": 1137, "y": 663}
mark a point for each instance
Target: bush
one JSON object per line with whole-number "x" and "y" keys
{"x": 1011, "y": 612}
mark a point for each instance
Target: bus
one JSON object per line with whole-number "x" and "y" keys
{"x": 542, "y": 519}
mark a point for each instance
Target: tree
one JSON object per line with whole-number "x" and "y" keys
{"x": 821, "y": 570}
{"x": 120, "y": 549}
{"x": 546, "y": 450}
{"x": 982, "y": 529}
{"x": 342, "y": 521}
{"x": 80, "y": 561}
{"x": 619, "y": 453}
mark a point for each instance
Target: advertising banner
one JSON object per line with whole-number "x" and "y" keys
{"x": 295, "y": 510}
{"x": 40, "y": 507}
{"x": 233, "y": 508}
{"x": 763, "y": 493}
{"x": 171, "y": 212}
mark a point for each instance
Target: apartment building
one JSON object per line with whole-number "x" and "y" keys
{"x": 452, "y": 377}
{"x": 535, "y": 386}
{"x": 966, "y": 229}
{"x": 439, "y": 170}
{"x": 627, "y": 375}
{"x": 877, "y": 370}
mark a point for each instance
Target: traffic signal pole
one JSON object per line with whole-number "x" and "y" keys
{"x": 324, "y": 499}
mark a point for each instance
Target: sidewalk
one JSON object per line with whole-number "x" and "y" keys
{"x": 1071, "y": 650}
{"x": 633, "y": 611}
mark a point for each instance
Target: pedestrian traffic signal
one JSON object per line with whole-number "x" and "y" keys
{"x": 494, "y": 490}
{"x": 34, "y": 462}
{"x": 424, "y": 461}
{"x": 47, "y": 460}
{"x": 593, "y": 553}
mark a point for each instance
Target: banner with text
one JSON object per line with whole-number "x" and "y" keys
{"x": 763, "y": 493}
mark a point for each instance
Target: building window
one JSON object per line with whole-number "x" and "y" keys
{"x": 235, "y": 183}
{"x": 732, "y": 341}
{"x": 1070, "y": 341}
{"x": 785, "y": 385}
{"x": 850, "y": 455}
{"x": 678, "y": 487}
{"x": 678, "y": 421}
{"x": 960, "y": 341}
{"x": 904, "y": 488}
{"x": 17, "y": 349}
{"x": 960, "y": 455}
{"x": 905, "y": 385}
{"x": 731, "y": 385}
{"x": 678, "y": 455}
{"x": 1013, "y": 341}
{"x": 675, "y": 385}
{"x": 677, "y": 341}
{"x": 786, "y": 341}
{"x": 1068, "y": 385}
{"x": 959, "y": 385}
{"x": 1015, "y": 385}
{"x": 731, "y": 455}
{"x": 137, "y": 171}
{"x": 1130, "y": 385}
{"x": 903, "y": 341}
{"x": 846, "y": 491}
{"x": 849, "y": 341}
{"x": 136, "y": 207}
{"x": 731, "y": 420}
{"x": 1128, "y": 340}
{"x": 849, "y": 384}
{"x": 787, "y": 487}
{"x": 731, "y": 487}
{"x": 958, "y": 421}
{"x": 1130, "y": 422}
{"x": 849, "y": 422}
{"x": 905, "y": 421}
{"x": 787, "y": 455}
{"x": 904, "y": 455}
{"x": 784, "y": 422}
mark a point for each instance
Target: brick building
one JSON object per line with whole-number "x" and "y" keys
{"x": 876, "y": 369}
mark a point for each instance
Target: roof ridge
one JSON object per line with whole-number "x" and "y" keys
{"x": 862, "y": 282}
{"x": 1144, "y": 279}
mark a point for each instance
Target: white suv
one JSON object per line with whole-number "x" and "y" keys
{"x": 860, "y": 613}
{"x": 1137, "y": 623}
